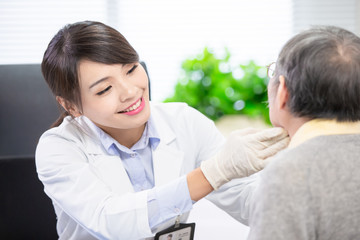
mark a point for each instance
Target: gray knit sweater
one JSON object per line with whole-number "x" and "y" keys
{"x": 311, "y": 191}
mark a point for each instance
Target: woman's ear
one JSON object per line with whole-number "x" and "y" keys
{"x": 282, "y": 93}
{"x": 68, "y": 107}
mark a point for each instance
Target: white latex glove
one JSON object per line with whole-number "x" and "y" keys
{"x": 244, "y": 153}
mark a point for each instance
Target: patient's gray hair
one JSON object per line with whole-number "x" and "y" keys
{"x": 321, "y": 67}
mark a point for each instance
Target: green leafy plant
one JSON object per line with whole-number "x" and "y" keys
{"x": 211, "y": 85}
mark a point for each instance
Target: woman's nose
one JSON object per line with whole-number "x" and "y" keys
{"x": 127, "y": 91}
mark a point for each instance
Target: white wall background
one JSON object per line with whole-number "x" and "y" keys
{"x": 344, "y": 13}
{"x": 167, "y": 32}
{"x": 27, "y": 26}
{"x": 163, "y": 32}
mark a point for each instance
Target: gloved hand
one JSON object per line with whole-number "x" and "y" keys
{"x": 244, "y": 153}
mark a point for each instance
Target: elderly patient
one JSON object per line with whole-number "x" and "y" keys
{"x": 312, "y": 189}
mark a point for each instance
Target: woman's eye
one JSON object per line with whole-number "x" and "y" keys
{"x": 103, "y": 91}
{"x": 132, "y": 69}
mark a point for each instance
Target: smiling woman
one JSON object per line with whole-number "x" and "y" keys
{"x": 117, "y": 102}
{"x": 120, "y": 167}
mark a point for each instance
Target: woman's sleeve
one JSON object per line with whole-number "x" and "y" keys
{"x": 168, "y": 201}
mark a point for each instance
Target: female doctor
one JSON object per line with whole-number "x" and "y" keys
{"x": 120, "y": 167}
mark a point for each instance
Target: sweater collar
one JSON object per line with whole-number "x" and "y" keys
{"x": 320, "y": 127}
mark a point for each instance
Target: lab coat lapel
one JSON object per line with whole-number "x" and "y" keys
{"x": 113, "y": 173}
{"x": 167, "y": 159}
{"x": 109, "y": 167}
{"x": 167, "y": 164}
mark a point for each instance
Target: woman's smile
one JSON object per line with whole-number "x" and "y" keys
{"x": 135, "y": 108}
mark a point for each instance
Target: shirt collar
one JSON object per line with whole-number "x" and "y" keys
{"x": 150, "y": 134}
{"x": 153, "y": 135}
{"x": 320, "y": 127}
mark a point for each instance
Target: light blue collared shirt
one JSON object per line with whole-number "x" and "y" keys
{"x": 164, "y": 202}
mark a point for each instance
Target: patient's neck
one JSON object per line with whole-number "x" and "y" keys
{"x": 293, "y": 124}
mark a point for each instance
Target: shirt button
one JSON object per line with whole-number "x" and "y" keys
{"x": 177, "y": 210}
{"x": 133, "y": 155}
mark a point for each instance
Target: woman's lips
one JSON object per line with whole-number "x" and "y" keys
{"x": 135, "y": 108}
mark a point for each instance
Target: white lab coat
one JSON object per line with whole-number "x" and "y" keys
{"x": 90, "y": 189}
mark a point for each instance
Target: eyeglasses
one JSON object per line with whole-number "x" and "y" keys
{"x": 271, "y": 69}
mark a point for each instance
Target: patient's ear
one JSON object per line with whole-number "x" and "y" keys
{"x": 282, "y": 93}
{"x": 69, "y": 107}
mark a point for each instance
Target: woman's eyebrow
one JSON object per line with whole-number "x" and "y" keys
{"x": 98, "y": 81}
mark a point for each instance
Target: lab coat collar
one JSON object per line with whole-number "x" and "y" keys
{"x": 90, "y": 137}
{"x": 166, "y": 134}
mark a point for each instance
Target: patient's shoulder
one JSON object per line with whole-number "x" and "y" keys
{"x": 289, "y": 165}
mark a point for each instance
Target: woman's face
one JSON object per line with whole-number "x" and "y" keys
{"x": 114, "y": 96}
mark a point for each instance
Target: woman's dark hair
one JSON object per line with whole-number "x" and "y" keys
{"x": 321, "y": 67}
{"x": 88, "y": 40}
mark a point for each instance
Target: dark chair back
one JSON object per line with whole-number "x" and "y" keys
{"x": 25, "y": 210}
{"x": 147, "y": 73}
{"x": 27, "y": 109}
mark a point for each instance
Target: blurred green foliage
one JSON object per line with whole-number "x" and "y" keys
{"x": 211, "y": 85}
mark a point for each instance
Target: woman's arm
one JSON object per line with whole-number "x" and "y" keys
{"x": 198, "y": 185}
